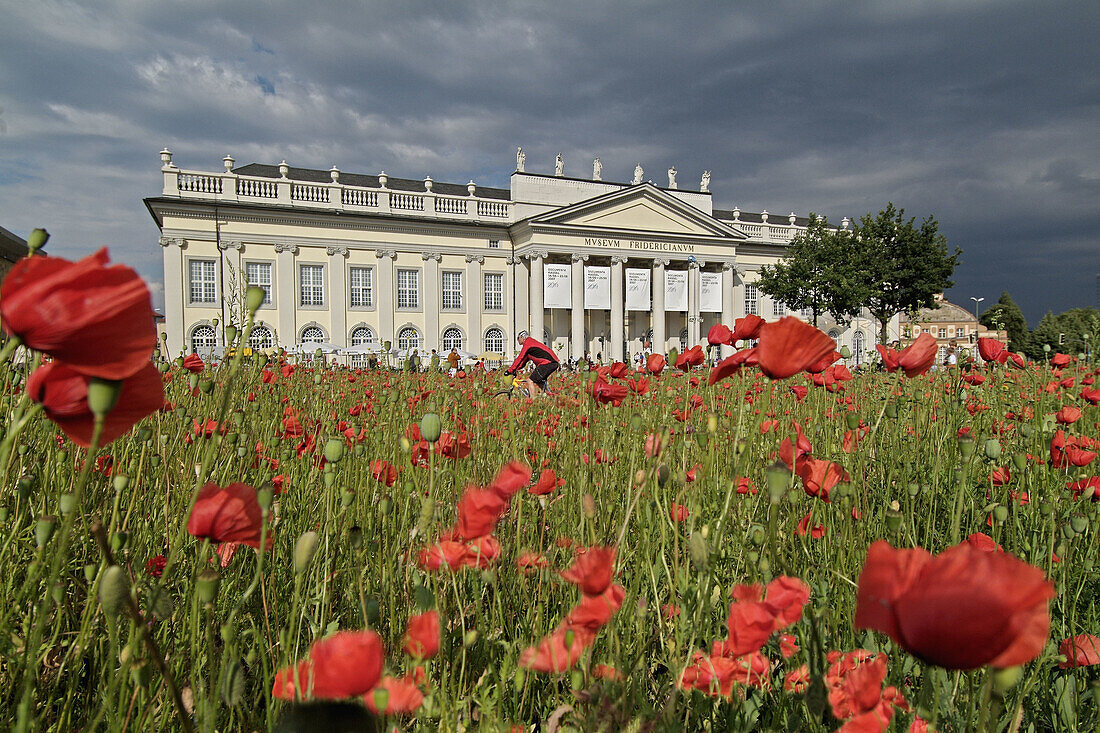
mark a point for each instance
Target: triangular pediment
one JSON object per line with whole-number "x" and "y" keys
{"x": 643, "y": 208}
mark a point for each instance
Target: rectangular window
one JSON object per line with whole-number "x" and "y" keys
{"x": 779, "y": 308}
{"x": 451, "y": 283}
{"x": 408, "y": 288}
{"x": 494, "y": 291}
{"x": 361, "y": 284}
{"x": 258, "y": 274}
{"x": 494, "y": 244}
{"x": 203, "y": 284}
{"x": 752, "y": 300}
{"x": 943, "y": 333}
{"x": 312, "y": 284}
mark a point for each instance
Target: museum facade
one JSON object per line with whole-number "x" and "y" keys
{"x": 590, "y": 266}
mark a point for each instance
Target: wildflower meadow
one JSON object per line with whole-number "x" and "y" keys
{"x": 774, "y": 543}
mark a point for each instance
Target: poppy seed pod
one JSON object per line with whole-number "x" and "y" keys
{"x": 355, "y": 537}
{"x": 697, "y": 550}
{"x": 992, "y": 449}
{"x": 36, "y": 240}
{"x": 206, "y": 585}
{"x": 334, "y": 450}
{"x": 1007, "y": 678}
{"x": 1019, "y": 461}
{"x": 892, "y": 410}
{"x": 120, "y": 482}
{"x": 43, "y": 530}
{"x": 966, "y": 447}
{"x": 778, "y": 477}
{"x": 851, "y": 419}
{"x": 114, "y": 586}
{"x": 430, "y": 427}
{"x": 66, "y": 503}
{"x": 254, "y": 298}
{"x": 103, "y": 395}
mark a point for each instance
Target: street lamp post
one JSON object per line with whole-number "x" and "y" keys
{"x": 976, "y": 301}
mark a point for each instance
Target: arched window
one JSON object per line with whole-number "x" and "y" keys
{"x": 683, "y": 340}
{"x": 362, "y": 336}
{"x": 857, "y": 346}
{"x": 452, "y": 339}
{"x": 203, "y": 341}
{"x": 408, "y": 338}
{"x": 494, "y": 340}
{"x": 835, "y": 336}
{"x": 261, "y": 338}
{"x": 313, "y": 335}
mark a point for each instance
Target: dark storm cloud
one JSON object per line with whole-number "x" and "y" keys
{"x": 982, "y": 114}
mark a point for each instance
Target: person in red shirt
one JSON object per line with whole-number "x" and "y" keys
{"x": 539, "y": 354}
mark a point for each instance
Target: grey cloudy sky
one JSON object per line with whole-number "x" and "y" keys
{"x": 983, "y": 114}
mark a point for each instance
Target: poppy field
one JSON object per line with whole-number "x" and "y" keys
{"x": 772, "y": 543}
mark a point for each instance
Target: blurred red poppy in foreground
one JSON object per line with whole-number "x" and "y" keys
{"x": 345, "y": 664}
{"x": 422, "y": 635}
{"x": 95, "y": 318}
{"x": 788, "y": 346}
{"x": 963, "y": 609}
{"x": 395, "y": 696}
{"x": 63, "y": 393}
{"x": 227, "y": 514}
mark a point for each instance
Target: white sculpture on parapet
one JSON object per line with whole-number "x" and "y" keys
{"x": 672, "y": 177}
{"x": 704, "y": 185}
{"x": 638, "y": 173}
{"x": 597, "y": 170}
{"x": 559, "y": 166}
{"x": 521, "y": 159}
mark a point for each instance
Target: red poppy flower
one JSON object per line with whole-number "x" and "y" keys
{"x": 345, "y": 664}
{"x": 422, "y": 635}
{"x": 227, "y": 514}
{"x": 785, "y": 597}
{"x": 678, "y": 512}
{"x": 798, "y": 680}
{"x": 1067, "y": 415}
{"x": 788, "y": 645}
{"x": 445, "y": 553}
{"x": 618, "y": 370}
{"x": 1080, "y": 651}
{"x": 605, "y": 393}
{"x": 824, "y": 362}
{"x": 1090, "y": 487}
{"x": 63, "y": 393}
{"x": 992, "y": 350}
{"x": 732, "y": 364}
{"x": 394, "y": 696}
{"x": 548, "y": 481}
{"x": 747, "y": 328}
{"x": 918, "y": 357}
{"x": 558, "y": 651}
{"x": 95, "y": 318}
{"x": 383, "y": 471}
{"x": 720, "y": 335}
{"x": 193, "y": 363}
{"x": 510, "y": 479}
{"x": 1070, "y": 451}
{"x": 1092, "y": 396}
{"x": 479, "y": 510}
{"x": 591, "y": 570}
{"x": 984, "y": 542}
{"x": 963, "y": 609}
{"x": 594, "y": 612}
{"x": 655, "y": 363}
{"x": 788, "y": 346}
{"x": 1060, "y": 360}
{"x": 691, "y": 358}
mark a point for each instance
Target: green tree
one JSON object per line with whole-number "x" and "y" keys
{"x": 1007, "y": 315}
{"x": 904, "y": 266}
{"x": 819, "y": 272}
{"x": 1072, "y": 332}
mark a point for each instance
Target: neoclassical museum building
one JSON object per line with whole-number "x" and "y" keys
{"x": 356, "y": 260}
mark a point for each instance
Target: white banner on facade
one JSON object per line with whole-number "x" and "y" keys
{"x": 676, "y": 290}
{"x": 597, "y": 287}
{"x": 710, "y": 292}
{"x": 557, "y": 286}
{"x": 637, "y": 289}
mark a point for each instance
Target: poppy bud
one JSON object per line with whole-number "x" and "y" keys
{"x": 697, "y": 550}
{"x": 193, "y": 382}
{"x": 576, "y": 679}
{"x": 1005, "y": 679}
{"x": 406, "y": 444}
{"x": 355, "y": 536}
{"x": 569, "y": 637}
{"x": 845, "y": 352}
{"x": 1079, "y": 524}
{"x": 103, "y": 395}
{"x": 1000, "y": 513}
{"x": 228, "y": 633}
{"x": 427, "y": 511}
{"x": 119, "y": 540}
{"x": 346, "y": 498}
{"x": 712, "y": 423}
{"x": 912, "y": 488}
{"x": 114, "y": 586}
{"x": 893, "y": 520}
{"x": 36, "y": 240}
{"x": 385, "y": 506}
{"x": 430, "y": 427}
{"x": 304, "y": 550}
{"x": 891, "y": 409}
{"x": 265, "y": 495}
{"x": 254, "y": 298}
{"x": 663, "y": 474}
{"x": 206, "y": 386}
{"x": 764, "y": 565}
{"x": 851, "y": 420}
{"x": 589, "y": 505}
{"x": 206, "y": 585}
{"x": 90, "y": 572}
{"x": 66, "y": 503}
{"x": 636, "y": 423}
{"x": 992, "y": 449}
{"x": 120, "y": 482}
{"x": 1019, "y": 461}
{"x": 470, "y": 638}
{"x": 334, "y": 450}
{"x": 778, "y": 477}
{"x": 757, "y": 535}
{"x": 329, "y": 478}
{"x": 381, "y": 698}
{"x": 519, "y": 677}
{"x": 43, "y": 530}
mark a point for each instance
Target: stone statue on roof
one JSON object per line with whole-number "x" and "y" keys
{"x": 521, "y": 159}
{"x": 559, "y": 166}
{"x": 638, "y": 173}
{"x": 597, "y": 170}
{"x": 704, "y": 185}
{"x": 672, "y": 177}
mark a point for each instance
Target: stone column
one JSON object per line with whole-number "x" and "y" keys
{"x": 174, "y": 294}
{"x": 618, "y": 327}
{"x": 659, "y": 339}
{"x": 474, "y": 302}
{"x": 738, "y": 294}
{"x": 538, "y": 314}
{"x": 338, "y": 302}
{"x": 384, "y": 268}
{"x": 727, "y": 302}
{"x": 693, "y": 316}
{"x": 577, "y": 346}
{"x": 431, "y": 300}
{"x": 286, "y": 295}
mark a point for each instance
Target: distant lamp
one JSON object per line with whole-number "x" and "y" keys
{"x": 976, "y": 301}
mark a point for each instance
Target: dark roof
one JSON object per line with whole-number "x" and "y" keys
{"x": 751, "y": 218}
{"x": 12, "y": 246}
{"x": 261, "y": 170}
